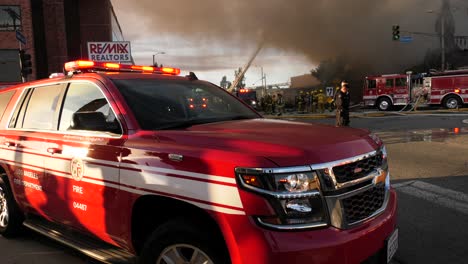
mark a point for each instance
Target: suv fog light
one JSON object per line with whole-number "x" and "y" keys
{"x": 301, "y": 206}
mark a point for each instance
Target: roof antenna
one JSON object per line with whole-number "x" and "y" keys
{"x": 192, "y": 76}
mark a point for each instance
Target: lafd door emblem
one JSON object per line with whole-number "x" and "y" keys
{"x": 77, "y": 169}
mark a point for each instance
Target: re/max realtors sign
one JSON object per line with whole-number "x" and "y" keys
{"x": 117, "y": 51}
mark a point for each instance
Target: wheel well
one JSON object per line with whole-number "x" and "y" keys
{"x": 149, "y": 212}
{"x": 460, "y": 100}
{"x": 382, "y": 97}
{"x": 4, "y": 176}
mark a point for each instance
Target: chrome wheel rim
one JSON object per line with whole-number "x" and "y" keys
{"x": 183, "y": 254}
{"x": 384, "y": 105}
{"x": 452, "y": 103}
{"x": 3, "y": 209}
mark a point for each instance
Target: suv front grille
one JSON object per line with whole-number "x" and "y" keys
{"x": 358, "y": 169}
{"x": 363, "y": 205}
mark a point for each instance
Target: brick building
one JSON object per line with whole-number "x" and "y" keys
{"x": 56, "y": 31}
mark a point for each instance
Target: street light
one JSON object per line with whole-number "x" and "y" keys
{"x": 154, "y": 57}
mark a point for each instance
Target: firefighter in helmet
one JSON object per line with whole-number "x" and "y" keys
{"x": 300, "y": 102}
{"x": 307, "y": 102}
{"x": 269, "y": 104}
{"x": 321, "y": 101}
{"x": 342, "y": 101}
{"x": 280, "y": 104}
{"x": 313, "y": 96}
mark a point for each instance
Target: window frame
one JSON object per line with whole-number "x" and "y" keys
{"x": 23, "y": 101}
{"x": 397, "y": 83}
{"x": 22, "y": 105}
{"x": 20, "y": 26}
{"x": 368, "y": 82}
{"x": 390, "y": 79}
{"x": 64, "y": 97}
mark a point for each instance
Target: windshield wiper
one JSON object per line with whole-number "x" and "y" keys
{"x": 181, "y": 124}
{"x": 238, "y": 117}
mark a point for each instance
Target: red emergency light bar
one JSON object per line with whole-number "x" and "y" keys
{"x": 81, "y": 65}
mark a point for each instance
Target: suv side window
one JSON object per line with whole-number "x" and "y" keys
{"x": 39, "y": 108}
{"x": 86, "y": 108}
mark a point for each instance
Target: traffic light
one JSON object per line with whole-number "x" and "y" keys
{"x": 396, "y": 32}
{"x": 26, "y": 65}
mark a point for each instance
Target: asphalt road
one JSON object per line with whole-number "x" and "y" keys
{"x": 428, "y": 158}
{"x": 402, "y": 122}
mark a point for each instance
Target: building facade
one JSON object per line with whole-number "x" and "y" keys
{"x": 55, "y": 31}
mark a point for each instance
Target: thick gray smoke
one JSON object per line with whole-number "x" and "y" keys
{"x": 319, "y": 29}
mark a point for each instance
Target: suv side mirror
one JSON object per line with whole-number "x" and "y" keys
{"x": 95, "y": 121}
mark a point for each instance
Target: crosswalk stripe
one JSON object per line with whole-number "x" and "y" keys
{"x": 442, "y": 196}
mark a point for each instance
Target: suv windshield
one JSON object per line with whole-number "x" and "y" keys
{"x": 165, "y": 104}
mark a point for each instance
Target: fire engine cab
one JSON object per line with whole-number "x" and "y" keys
{"x": 112, "y": 160}
{"x": 449, "y": 89}
{"x": 385, "y": 91}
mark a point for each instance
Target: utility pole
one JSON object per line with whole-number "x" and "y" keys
{"x": 442, "y": 37}
{"x": 442, "y": 40}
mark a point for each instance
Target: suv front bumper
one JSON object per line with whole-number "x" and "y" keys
{"x": 250, "y": 244}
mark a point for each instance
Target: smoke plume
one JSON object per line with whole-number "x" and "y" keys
{"x": 318, "y": 29}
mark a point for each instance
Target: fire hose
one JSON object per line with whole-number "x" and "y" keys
{"x": 414, "y": 105}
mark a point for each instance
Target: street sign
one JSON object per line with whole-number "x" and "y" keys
{"x": 406, "y": 39}
{"x": 20, "y": 37}
{"x": 329, "y": 91}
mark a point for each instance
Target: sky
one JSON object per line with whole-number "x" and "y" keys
{"x": 215, "y": 37}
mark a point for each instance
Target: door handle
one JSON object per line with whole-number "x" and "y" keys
{"x": 10, "y": 144}
{"x": 54, "y": 151}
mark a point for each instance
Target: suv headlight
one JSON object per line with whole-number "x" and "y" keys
{"x": 295, "y": 197}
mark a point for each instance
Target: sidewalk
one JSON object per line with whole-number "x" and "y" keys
{"x": 364, "y": 114}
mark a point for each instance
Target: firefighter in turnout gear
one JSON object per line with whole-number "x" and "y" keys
{"x": 342, "y": 100}
{"x": 269, "y": 104}
{"x": 300, "y": 102}
{"x": 321, "y": 101}
{"x": 314, "y": 101}
{"x": 280, "y": 104}
{"x": 307, "y": 102}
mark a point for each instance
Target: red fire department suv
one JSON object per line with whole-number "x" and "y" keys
{"x": 114, "y": 161}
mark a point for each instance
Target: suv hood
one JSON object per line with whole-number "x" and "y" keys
{"x": 283, "y": 142}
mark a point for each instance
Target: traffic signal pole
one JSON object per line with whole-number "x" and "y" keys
{"x": 23, "y": 79}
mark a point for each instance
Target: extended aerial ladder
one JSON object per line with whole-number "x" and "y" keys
{"x": 240, "y": 76}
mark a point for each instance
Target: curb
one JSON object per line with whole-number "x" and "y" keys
{"x": 363, "y": 114}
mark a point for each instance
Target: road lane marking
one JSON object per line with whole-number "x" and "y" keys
{"x": 442, "y": 196}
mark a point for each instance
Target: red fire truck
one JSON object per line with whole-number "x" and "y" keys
{"x": 449, "y": 89}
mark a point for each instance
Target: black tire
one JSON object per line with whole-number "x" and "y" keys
{"x": 11, "y": 218}
{"x": 384, "y": 104}
{"x": 452, "y": 102}
{"x": 183, "y": 233}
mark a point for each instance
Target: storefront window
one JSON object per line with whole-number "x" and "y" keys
{"x": 10, "y": 18}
